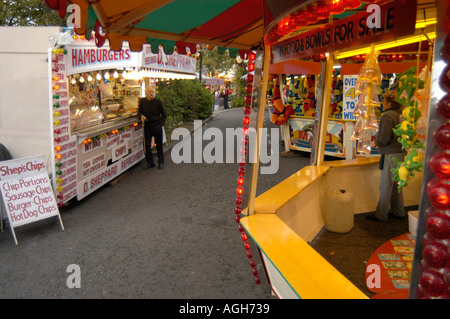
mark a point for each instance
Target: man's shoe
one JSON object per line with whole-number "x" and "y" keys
{"x": 372, "y": 216}
{"x": 149, "y": 166}
{"x": 161, "y": 166}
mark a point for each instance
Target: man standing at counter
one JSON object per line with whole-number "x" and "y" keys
{"x": 389, "y": 147}
{"x": 153, "y": 117}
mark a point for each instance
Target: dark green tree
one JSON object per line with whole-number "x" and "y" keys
{"x": 28, "y": 13}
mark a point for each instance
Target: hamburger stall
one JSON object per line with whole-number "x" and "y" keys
{"x": 85, "y": 126}
{"x": 314, "y": 39}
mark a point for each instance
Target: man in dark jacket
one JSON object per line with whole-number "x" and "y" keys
{"x": 153, "y": 117}
{"x": 389, "y": 147}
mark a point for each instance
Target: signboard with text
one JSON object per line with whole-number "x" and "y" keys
{"x": 26, "y": 191}
{"x": 396, "y": 19}
{"x": 350, "y": 99}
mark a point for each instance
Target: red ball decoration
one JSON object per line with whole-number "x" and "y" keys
{"x": 442, "y": 136}
{"x": 352, "y": 4}
{"x": 437, "y": 254}
{"x": 322, "y": 10}
{"x": 434, "y": 283}
{"x": 444, "y": 80}
{"x": 440, "y": 164}
{"x": 443, "y": 107}
{"x": 249, "y": 78}
{"x": 439, "y": 194}
{"x": 239, "y": 199}
{"x": 438, "y": 225}
{"x": 249, "y": 89}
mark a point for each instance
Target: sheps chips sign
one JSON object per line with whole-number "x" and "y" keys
{"x": 20, "y": 168}
{"x": 377, "y": 23}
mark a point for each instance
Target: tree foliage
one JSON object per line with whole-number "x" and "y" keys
{"x": 28, "y": 13}
{"x": 214, "y": 61}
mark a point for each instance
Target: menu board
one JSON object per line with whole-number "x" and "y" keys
{"x": 26, "y": 191}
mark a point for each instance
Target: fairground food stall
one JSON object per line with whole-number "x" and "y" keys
{"x": 82, "y": 116}
{"x": 282, "y": 220}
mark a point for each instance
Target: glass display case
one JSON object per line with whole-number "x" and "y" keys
{"x": 95, "y": 102}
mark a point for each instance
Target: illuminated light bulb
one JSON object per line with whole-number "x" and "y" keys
{"x": 247, "y": 247}
{"x": 73, "y": 81}
{"x": 239, "y": 191}
{"x": 240, "y": 181}
{"x": 116, "y": 74}
{"x": 85, "y": 142}
{"x": 244, "y": 237}
{"x": 74, "y": 37}
{"x": 99, "y": 76}
{"x": 251, "y": 56}
{"x": 251, "y": 67}
{"x": 439, "y": 194}
{"x": 89, "y": 78}
{"x": 81, "y": 79}
{"x": 57, "y": 148}
{"x": 106, "y": 76}
{"x": 440, "y": 164}
{"x": 336, "y": 6}
{"x": 245, "y": 130}
{"x": 56, "y": 87}
{"x": 58, "y": 156}
{"x": 57, "y": 122}
{"x": 56, "y": 78}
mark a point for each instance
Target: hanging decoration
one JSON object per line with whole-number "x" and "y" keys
{"x": 281, "y": 112}
{"x": 242, "y": 162}
{"x": 367, "y": 86}
{"x": 412, "y": 92}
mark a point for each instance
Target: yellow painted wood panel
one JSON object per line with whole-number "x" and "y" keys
{"x": 307, "y": 272}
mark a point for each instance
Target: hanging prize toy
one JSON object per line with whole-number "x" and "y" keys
{"x": 281, "y": 112}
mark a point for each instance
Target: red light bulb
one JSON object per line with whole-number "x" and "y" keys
{"x": 440, "y": 164}
{"x": 237, "y": 210}
{"x": 438, "y": 225}
{"x": 442, "y": 136}
{"x": 248, "y": 99}
{"x": 352, "y": 4}
{"x": 251, "y": 56}
{"x": 246, "y": 120}
{"x": 437, "y": 254}
{"x": 443, "y": 107}
{"x": 241, "y": 171}
{"x": 439, "y": 194}
{"x": 322, "y": 10}
{"x": 249, "y": 89}
{"x": 336, "y": 6}
{"x": 249, "y": 78}
{"x": 239, "y": 191}
{"x": 251, "y": 67}
{"x": 434, "y": 283}
{"x": 240, "y": 181}
{"x": 245, "y": 130}
{"x": 238, "y": 200}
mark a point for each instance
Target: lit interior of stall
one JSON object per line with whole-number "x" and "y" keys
{"x": 285, "y": 218}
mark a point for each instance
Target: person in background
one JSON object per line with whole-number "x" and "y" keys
{"x": 153, "y": 117}
{"x": 226, "y": 93}
{"x": 389, "y": 147}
